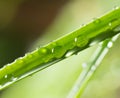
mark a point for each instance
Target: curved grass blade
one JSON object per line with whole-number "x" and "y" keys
{"x": 95, "y": 31}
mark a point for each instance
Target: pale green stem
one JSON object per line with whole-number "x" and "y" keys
{"x": 90, "y": 68}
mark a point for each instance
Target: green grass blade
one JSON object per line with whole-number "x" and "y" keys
{"x": 91, "y": 67}
{"x": 96, "y": 31}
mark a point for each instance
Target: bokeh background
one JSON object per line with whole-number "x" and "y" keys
{"x": 28, "y": 24}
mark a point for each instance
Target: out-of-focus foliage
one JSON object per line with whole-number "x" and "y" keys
{"x": 22, "y": 22}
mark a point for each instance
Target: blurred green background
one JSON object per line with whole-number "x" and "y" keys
{"x": 28, "y": 24}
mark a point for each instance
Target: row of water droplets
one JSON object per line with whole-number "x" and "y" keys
{"x": 77, "y": 41}
{"x": 11, "y": 78}
{"x": 57, "y": 51}
{"x": 60, "y": 53}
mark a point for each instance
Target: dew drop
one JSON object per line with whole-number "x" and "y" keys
{"x": 54, "y": 43}
{"x": 43, "y": 50}
{"x": 96, "y": 21}
{"x": 69, "y": 53}
{"x": 52, "y": 50}
{"x": 29, "y": 56}
{"x": 82, "y": 41}
{"x": 110, "y": 44}
{"x": 13, "y": 78}
{"x": 110, "y": 24}
{"x": 19, "y": 60}
{"x": 75, "y": 39}
{"x": 93, "y": 68}
{"x": 59, "y": 51}
{"x": 84, "y": 65}
{"x": 6, "y": 76}
{"x": 26, "y": 55}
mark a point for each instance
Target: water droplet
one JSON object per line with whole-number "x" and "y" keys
{"x": 69, "y": 53}
{"x": 6, "y": 76}
{"x": 28, "y": 55}
{"x": 96, "y": 21}
{"x": 19, "y": 60}
{"x": 82, "y": 41}
{"x": 43, "y": 50}
{"x": 54, "y": 43}
{"x": 52, "y": 50}
{"x": 93, "y": 68}
{"x": 13, "y": 78}
{"x": 75, "y": 39}
{"x": 110, "y": 44}
{"x": 110, "y": 24}
{"x": 59, "y": 51}
{"x": 84, "y": 65}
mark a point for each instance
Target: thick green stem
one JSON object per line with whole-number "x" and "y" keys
{"x": 96, "y": 31}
